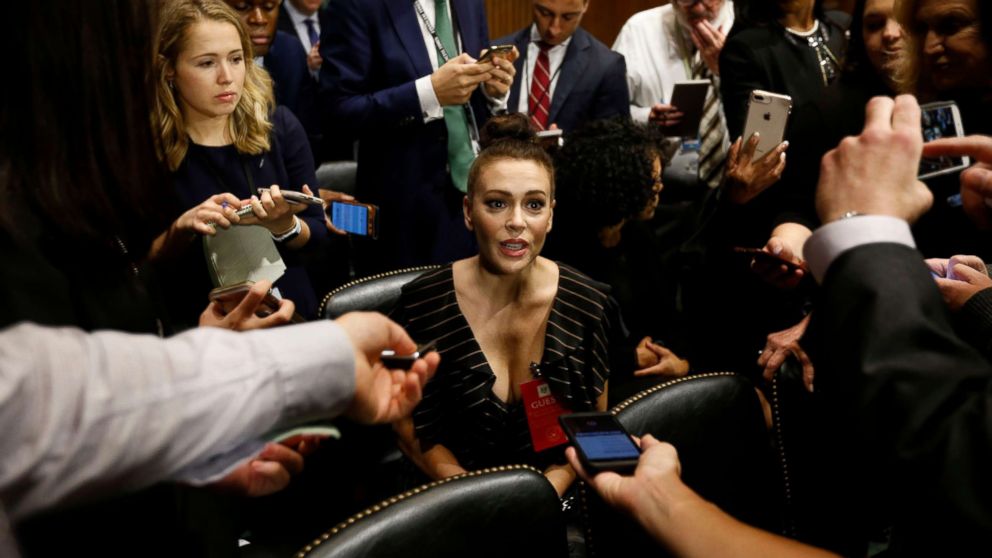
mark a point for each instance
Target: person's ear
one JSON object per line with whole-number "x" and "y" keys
{"x": 466, "y": 211}
{"x": 551, "y": 218}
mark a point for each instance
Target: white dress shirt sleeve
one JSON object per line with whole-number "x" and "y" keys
{"x": 85, "y": 414}
{"x": 833, "y": 239}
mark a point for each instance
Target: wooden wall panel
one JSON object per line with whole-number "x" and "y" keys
{"x": 604, "y": 18}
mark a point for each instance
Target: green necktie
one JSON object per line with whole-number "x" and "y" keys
{"x": 460, "y": 153}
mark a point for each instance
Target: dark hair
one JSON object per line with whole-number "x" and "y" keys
{"x": 78, "y": 149}
{"x": 510, "y": 149}
{"x": 605, "y": 171}
{"x": 763, "y": 13}
{"x": 514, "y": 125}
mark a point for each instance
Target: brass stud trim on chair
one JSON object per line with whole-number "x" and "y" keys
{"x": 789, "y": 526}
{"x": 349, "y": 284}
{"x": 642, "y": 394}
{"x": 409, "y": 493}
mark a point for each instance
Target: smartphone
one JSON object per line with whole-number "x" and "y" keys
{"x": 769, "y": 259}
{"x": 549, "y": 139}
{"x": 503, "y": 51}
{"x": 767, "y": 114}
{"x": 355, "y": 218}
{"x": 689, "y": 97}
{"x": 290, "y": 196}
{"x": 394, "y": 361}
{"x": 601, "y": 442}
{"x": 941, "y": 120}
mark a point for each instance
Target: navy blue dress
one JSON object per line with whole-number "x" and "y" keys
{"x": 207, "y": 171}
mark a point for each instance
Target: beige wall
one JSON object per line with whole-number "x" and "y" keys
{"x": 604, "y": 18}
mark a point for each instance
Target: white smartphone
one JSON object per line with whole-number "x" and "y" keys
{"x": 689, "y": 97}
{"x": 941, "y": 120}
{"x": 768, "y": 115}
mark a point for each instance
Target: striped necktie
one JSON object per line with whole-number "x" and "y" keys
{"x": 539, "y": 104}
{"x": 460, "y": 152}
{"x": 712, "y": 132}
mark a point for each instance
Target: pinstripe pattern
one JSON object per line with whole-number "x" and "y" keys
{"x": 459, "y": 408}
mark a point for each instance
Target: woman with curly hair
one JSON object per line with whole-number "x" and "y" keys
{"x": 228, "y": 146}
{"x": 609, "y": 176}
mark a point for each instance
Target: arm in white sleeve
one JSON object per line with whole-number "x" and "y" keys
{"x": 833, "y": 239}
{"x": 85, "y": 414}
{"x": 430, "y": 107}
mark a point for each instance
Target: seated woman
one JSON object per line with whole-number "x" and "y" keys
{"x": 609, "y": 173}
{"x": 502, "y": 319}
{"x": 225, "y": 142}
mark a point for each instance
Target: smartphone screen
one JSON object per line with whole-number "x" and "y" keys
{"x": 352, "y": 218}
{"x": 601, "y": 441}
{"x": 941, "y": 120}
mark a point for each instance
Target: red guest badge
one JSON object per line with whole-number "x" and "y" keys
{"x": 543, "y": 410}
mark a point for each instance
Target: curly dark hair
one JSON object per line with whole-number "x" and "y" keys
{"x": 604, "y": 172}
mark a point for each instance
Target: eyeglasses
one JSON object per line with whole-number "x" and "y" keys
{"x": 691, "y": 3}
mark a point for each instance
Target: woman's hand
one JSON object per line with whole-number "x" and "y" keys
{"x": 780, "y": 345}
{"x": 218, "y": 211}
{"x": 266, "y": 474}
{"x": 273, "y": 211}
{"x": 746, "y": 178}
{"x": 656, "y": 360}
{"x": 781, "y": 275}
{"x": 245, "y": 316}
{"x": 329, "y": 197}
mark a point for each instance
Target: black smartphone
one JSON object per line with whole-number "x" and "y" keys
{"x": 495, "y": 50}
{"x": 767, "y": 258}
{"x": 355, "y": 218}
{"x": 601, "y": 442}
{"x": 394, "y": 361}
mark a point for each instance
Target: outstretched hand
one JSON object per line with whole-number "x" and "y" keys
{"x": 383, "y": 395}
{"x": 976, "y": 182}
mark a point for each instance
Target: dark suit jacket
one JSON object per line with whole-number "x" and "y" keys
{"x": 373, "y": 53}
{"x": 592, "y": 83}
{"x": 285, "y": 24}
{"x": 912, "y": 401}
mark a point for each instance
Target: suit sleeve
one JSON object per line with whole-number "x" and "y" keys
{"x": 740, "y": 73}
{"x": 351, "y": 103}
{"x": 613, "y": 97}
{"x": 920, "y": 397}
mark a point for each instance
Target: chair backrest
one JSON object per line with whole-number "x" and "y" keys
{"x": 338, "y": 176}
{"x": 377, "y": 293}
{"x": 716, "y": 423}
{"x": 504, "y": 511}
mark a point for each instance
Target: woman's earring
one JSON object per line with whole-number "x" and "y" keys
{"x": 172, "y": 85}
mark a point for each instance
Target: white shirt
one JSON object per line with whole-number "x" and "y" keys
{"x": 833, "y": 239}
{"x": 655, "y": 47}
{"x": 298, "y": 18}
{"x": 556, "y": 56}
{"x": 430, "y": 107}
{"x": 90, "y": 414}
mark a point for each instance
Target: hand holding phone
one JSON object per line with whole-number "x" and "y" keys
{"x": 395, "y": 361}
{"x": 768, "y": 116}
{"x": 502, "y": 51}
{"x": 355, "y": 218}
{"x": 941, "y": 120}
{"x": 291, "y": 197}
{"x": 601, "y": 442}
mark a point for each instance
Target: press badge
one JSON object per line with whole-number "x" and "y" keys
{"x": 543, "y": 409}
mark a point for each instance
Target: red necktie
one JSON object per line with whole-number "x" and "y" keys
{"x": 540, "y": 98}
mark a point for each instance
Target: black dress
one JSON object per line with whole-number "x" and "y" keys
{"x": 207, "y": 171}
{"x": 459, "y": 409}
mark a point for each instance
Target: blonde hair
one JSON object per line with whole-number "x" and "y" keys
{"x": 249, "y": 125}
{"x": 907, "y": 78}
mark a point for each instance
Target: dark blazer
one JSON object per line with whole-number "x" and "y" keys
{"x": 592, "y": 83}
{"x": 912, "y": 398}
{"x": 373, "y": 53}
{"x": 285, "y": 24}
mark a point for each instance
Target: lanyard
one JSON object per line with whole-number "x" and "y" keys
{"x": 443, "y": 57}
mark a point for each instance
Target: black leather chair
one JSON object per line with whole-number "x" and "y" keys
{"x": 338, "y": 175}
{"x": 377, "y": 293}
{"x": 716, "y": 423}
{"x": 493, "y": 513}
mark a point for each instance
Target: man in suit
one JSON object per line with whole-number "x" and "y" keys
{"x": 910, "y": 402}
{"x": 304, "y": 19}
{"x": 567, "y": 76}
{"x": 384, "y": 80}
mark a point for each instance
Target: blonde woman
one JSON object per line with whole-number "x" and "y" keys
{"x": 226, "y": 144}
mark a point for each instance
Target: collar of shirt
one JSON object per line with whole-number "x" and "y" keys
{"x": 297, "y": 17}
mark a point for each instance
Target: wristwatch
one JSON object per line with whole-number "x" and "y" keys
{"x": 291, "y": 233}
